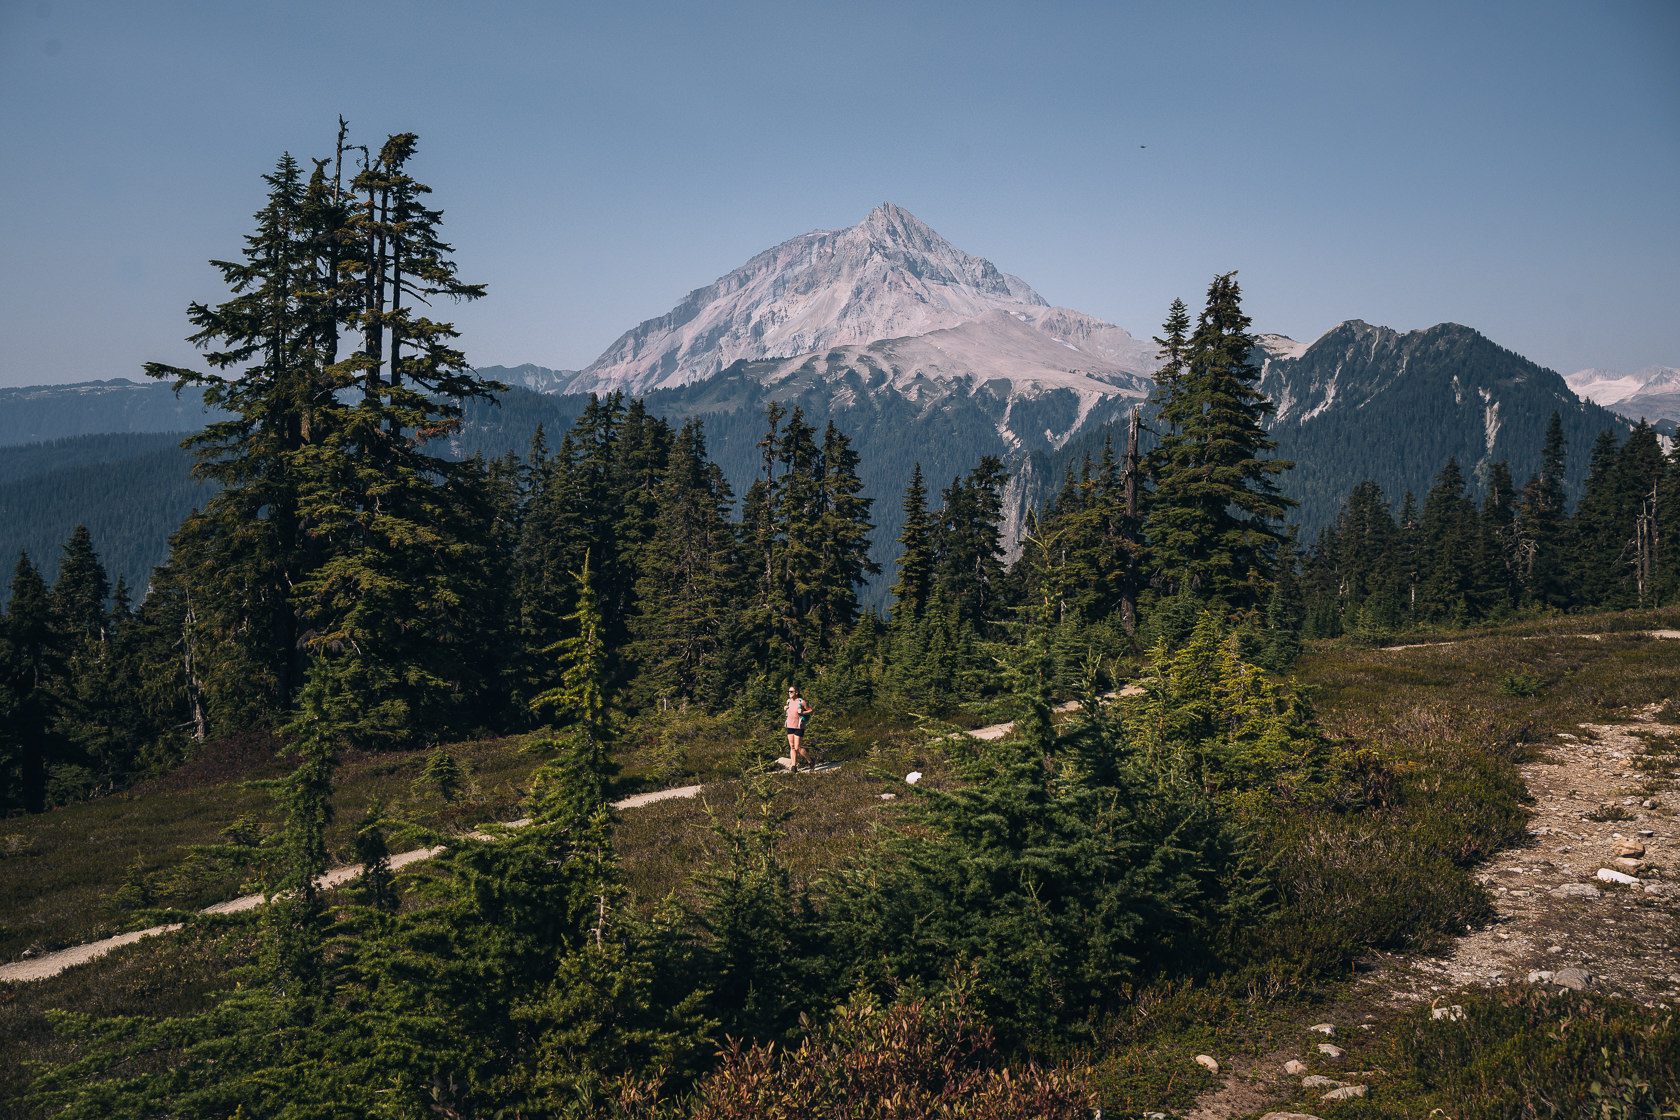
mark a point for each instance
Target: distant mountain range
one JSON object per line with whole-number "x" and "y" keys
{"x": 1651, "y": 394}
{"x": 926, "y": 354}
{"x": 1369, "y": 402}
{"x": 38, "y": 413}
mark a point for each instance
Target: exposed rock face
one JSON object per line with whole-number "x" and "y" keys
{"x": 888, "y": 277}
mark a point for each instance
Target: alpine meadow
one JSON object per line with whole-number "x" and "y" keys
{"x": 445, "y": 778}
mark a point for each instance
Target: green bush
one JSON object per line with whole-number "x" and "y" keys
{"x": 1523, "y": 684}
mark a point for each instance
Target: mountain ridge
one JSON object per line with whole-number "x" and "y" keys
{"x": 889, "y": 276}
{"x": 1652, "y": 393}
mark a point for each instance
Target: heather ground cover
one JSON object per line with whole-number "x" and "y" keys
{"x": 1424, "y": 744}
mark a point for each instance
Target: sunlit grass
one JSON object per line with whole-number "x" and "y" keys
{"x": 1429, "y": 740}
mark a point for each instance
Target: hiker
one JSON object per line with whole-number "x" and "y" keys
{"x": 797, "y": 713}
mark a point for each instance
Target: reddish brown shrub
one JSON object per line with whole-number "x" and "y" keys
{"x": 911, "y": 1061}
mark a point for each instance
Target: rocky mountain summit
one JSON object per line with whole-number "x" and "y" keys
{"x": 890, "y": 277}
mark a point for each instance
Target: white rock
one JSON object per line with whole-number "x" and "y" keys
{"x": 1345, "y": 1093}
{"x": 1329, "y": 1050}
{"x": 913, "y": 777}
{"x": 1610, "y": 876}
{"x": 1204, "y": 1060}
{"x": 1319, "y": 1081}
{"x": 1575, "y": 890}
{"x": 1289, "y": 1116}
{"x": 888, "y": 796}
{"x": 1294, "y": 1068}
{"x": 1540, "y": 976}
{"x": 1454, "y": 1013}
{"x": 1323, "y": 1028}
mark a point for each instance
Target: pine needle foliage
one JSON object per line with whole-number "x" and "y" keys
{"x": 1216, "y": 502}
{"x": 1060, "y": 871}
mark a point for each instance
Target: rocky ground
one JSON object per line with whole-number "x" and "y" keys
{"x": 1590, "y": 900}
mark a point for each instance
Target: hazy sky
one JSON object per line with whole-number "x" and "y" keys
{"x": 1514, "y": 167}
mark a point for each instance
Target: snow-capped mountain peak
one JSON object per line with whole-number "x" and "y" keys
{"x": 889, "y": 276}
{"x": 1652, "y": 393}
{"x": 1604, "y": 386}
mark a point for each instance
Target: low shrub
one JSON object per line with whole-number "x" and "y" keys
{"x": 909, "y": 1060}
{"x": 1523, "y": 684}
{"x": 1525, "y": 1052}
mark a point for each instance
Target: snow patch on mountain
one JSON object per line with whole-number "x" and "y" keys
{"x": 1490, "y": 418}
{"x": 1280, "y": 346}
{"x": 1329, "y": 396}
{"x": 539, "y": 379}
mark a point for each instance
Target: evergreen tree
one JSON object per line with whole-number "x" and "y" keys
{"x": 31, "y": 656}
{"x": 1174, "y": 342}
{"x": 1454, "y": 585}
{"x": 969, "y": 572}
{"x": 80, "y": 594}
{"x": 915, "y": 563}
{"x": 387, "y": 598}
{"x": 579, "y": 700}
{"x": 1599, "y": 530}
{"x": 1212, "y": 514}
{"x": 268, "y": 349}
{"x": 332, "y": 530}
{"x": 1640, "y": 474}
{"x": 296, "y": 916}
{"x": 1499, "y": 538}
{"x": 1542, "y": 544}
{"x": 689, "y": 576}
{"x": 842, "y": 542}
{"x": 798, "y": 540}
{"x": 1286, "y": 613}
{"x": 98, "y": 717}
{"x": 1409, "y": 556}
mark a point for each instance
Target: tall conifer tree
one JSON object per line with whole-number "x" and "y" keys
{"x": 915, "y": 563}
{"x": 1213, "y": 516}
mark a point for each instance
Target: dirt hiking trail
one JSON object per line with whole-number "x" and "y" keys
{"x": 1568, "y": 914}
{"x": 48, "y": 965}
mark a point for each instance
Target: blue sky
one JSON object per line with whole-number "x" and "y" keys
{"x": 1513, "y": 167}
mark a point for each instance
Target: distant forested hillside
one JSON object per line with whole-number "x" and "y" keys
{"x": 1399, "y": 440}
{"x": 1402, "y": 406}
{"x": 39, "y": 413}
{"x": 31, "y": 460}
{"x": 493, "y": 428}
{"x": 131, "y": 491}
